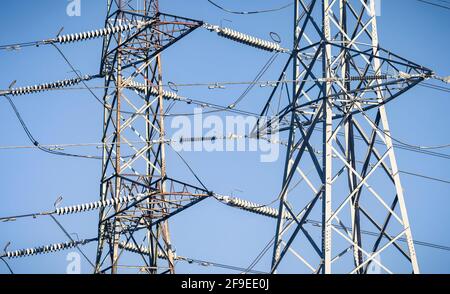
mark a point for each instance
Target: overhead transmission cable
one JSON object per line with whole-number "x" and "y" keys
{"x": 273, "y": 213}
{"x": 400, "y": 141}
{"x": 167, "y": 95}
{"x": 221, "y": 31}
{"x": 192, "y": 139}
{"x": 190, "y": 169}
{"x": 250, "y": 12}
{"x": 77, "y": 73}
{"x": 71, "y": 239}
{"x": 403, "y": 145}
{"x": 230, "y": 201}
{"x": 258, "y": 77}
{"x": 36, "y": 143}
{"x": 222, "y": 84}
{"x": 68, "y": 245}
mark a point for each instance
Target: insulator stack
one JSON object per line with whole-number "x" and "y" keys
{"x": 367, "y": 78}
{"x": 168, "y": 95}
{"x": 246, "y": 39}
{"x": 45, "y": 249}
{"x": 199, "y": 139}
{"x": 95, "y": 205}
{"x": 69, "y": 38}
{"x": 355, "y": 78}
{"x": 48, "y": 86}
{"x": 251, "y": 207}
{"x": 140, "y": 250}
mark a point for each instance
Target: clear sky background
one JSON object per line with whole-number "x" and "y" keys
{"x": 32, "y": 180}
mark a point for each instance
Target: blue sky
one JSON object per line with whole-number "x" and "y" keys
{"x": 32, "y": 180}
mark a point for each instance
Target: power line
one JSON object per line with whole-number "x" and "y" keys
{"x": 253, "y": 206}
{"x": 435, "y": 4}
{"x": 256, "y": 79}
{"x": 435, "y": 87}
{"x": 71, "y": 239}
{"x": 17, "y": 46}
{"x": 7, "y": 265}
{"x": 222, "y": 84}
{"x": 370, "y": 233}
{"x": 188, "y": 139}
{"x": 410, "y": 149}
{"x": 400, "y": 141}
{"x": 219, "y": 265}
{"x": 249, "y": 12}
{"x": 84, "y": 36}
{"x": 76, "y": 72}
{"x": 47, "y": 148}
{"x": 189, "y": 101}
{"x": 190, "y": 168}
{"x": 274, "y": 212}
{"x": 424, "y": 177}
{"x": 62, "y": 146}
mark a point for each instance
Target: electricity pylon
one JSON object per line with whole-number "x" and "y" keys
{"x": 134, "y": 141}
{"x": 340, "y": 163}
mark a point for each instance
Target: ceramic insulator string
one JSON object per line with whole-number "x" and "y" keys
{"x": 45, "y": 249}
{"x": 168, "y": 95}
{"x": 251, "y": 207}
{"x": 69, "y": 38}
{"x": 246, "y": 39}
{"x": 48, "y": 86}
{"x": 95, "y": 205}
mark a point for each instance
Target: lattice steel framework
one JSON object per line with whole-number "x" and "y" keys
{"x": 340, "y": 163}
{"x": 133, "y": 169}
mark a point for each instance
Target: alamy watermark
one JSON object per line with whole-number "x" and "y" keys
{"x": 73, "y": 8}
{"x": 74, "y": 263}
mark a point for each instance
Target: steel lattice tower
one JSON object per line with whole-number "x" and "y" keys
{"x": 336, "y": 124}
{"x": 134, "y": 140}
{"x": 341, "y": 204}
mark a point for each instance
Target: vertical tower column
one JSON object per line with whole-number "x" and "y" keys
{"x": 327, "y": 142}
